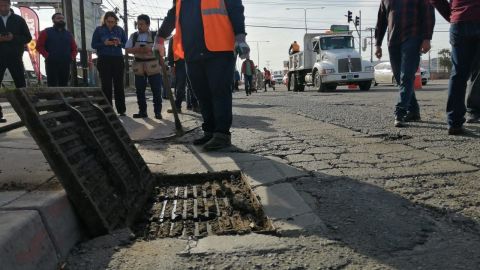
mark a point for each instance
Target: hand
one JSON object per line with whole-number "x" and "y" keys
{"x": 241, "y": 46}
{"x": 116, "y": 41}
{"x": 9, "y": 37}
{"x": 378, "y": 52}
{"x": 425, "y": 46}
{"x": 161, "y": 47}
{"x": 109, "y": 43}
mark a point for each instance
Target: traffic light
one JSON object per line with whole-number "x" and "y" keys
{"x": 357, "y": 21}
{"x": 349, "y": 16}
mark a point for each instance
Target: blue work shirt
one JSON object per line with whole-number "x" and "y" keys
{"x": 193, "y": 38}
{"x": 101, "y": 34}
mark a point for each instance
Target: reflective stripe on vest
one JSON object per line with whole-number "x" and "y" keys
{"x": 217, "y": 28}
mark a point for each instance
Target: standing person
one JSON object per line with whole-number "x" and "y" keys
{"x": 248, "y": 69}
{"x": 146, "y": 67}
{"x": 464, "y": 18}
{"x": 208, "y": 33}
{"x": 294, "y": 48}
{"x": 407, "y": 38}
{"x": 58, "y": 47}
{"x": 14, "y": 35}
{"x": 109, "y": 39}
{"x": 473, "y": 97}
{"x": 236, "y": 80}
{"x": 268, "y": 79}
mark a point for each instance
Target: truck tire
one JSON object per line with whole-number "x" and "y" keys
{"x": 321, "y": 87}
{"x": 365, "y": 86}
{"x": 332, "y": 87}
{"x": 293, "y": 83}
{"x": 289, "y": 80}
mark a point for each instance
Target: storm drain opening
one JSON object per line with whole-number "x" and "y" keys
{"x": 195, "y": 206}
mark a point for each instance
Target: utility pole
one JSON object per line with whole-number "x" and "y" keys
{"x": 67, "y": 10}
{"x": 360, "y": 32}
{"x": 258, "y": 49}
{"x": 371, "y": 42}
{"x": 83, "y": 52}
{"x": 125, "y": 27}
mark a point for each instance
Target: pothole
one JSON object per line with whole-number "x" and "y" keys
{"x": 201, "y": 205}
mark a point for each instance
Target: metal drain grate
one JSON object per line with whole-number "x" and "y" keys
{"x": 87, "y": 147}
{"x": 197, "y": 208}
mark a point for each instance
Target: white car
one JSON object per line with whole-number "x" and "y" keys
{"x": 384, "y": 74}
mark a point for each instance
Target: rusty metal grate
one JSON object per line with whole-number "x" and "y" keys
{"x": 87, "y": 147}
{"x": 202, "y": 205}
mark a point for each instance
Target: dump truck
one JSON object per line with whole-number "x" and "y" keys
{"x": 329, "y": 60}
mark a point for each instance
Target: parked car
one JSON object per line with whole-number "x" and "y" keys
{"x": 384, "y": 74}
{"x": 278, "y": 78}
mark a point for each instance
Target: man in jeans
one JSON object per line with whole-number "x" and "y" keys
{"x": 410, "y": 27}
{"x": 146, "y": 67}
{"x": 248, "y": 68}
{"x": 464, "y": 17}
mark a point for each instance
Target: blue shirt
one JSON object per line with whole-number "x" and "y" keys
{"x": 101, "y": 34}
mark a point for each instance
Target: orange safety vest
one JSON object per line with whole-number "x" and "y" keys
{"x": 217, "y": 28}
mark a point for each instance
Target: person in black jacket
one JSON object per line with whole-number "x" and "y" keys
{"x": 14, "y": 35}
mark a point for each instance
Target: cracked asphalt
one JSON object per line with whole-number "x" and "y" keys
{"x": 388, "y": 198}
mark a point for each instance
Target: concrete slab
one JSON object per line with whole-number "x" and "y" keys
{"x": 24, "y": 242}
{"x": 18, "y": 138}
{"x": 9, "y": 196}
{"x": 281, "y": 201}
{"x": 297, "y": 225}
{"x": 57, "y": 214}
{"x": 234, "y": 244}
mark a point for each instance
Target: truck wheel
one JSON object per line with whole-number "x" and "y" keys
{"x": 365, "y": 86}
{"x": 293, "y": 83}
{"x": 318, "y": 83}
{"x": 332, "y": 87}
{"x": 289, "y": 81}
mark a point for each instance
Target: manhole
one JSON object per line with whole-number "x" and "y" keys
{"x": 201, "y": 205}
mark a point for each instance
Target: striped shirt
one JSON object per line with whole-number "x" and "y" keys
{"x": 404, "y": 19}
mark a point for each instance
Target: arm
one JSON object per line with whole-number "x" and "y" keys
{"x": 123, "y": 38}
{"x": 97, "y": 42}
{"x": 168, "y": 24}
{"x": 24, "y": 37}
{"x": 171, "y": 58}
{"x": 74, "y": 47}
{"x": 443, "y": 8}
{"x": 428, "y": 19}
{"x": 235, "y": 11}
{"x": 382, "y": 24}
{"x": 41, "y": 44}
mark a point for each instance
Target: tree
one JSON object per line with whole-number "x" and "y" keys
{"x": 445, "y": 59}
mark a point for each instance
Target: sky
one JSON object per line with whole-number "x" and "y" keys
{"x": 269, "y": 20}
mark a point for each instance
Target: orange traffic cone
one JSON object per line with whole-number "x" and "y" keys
{"x": 352, "y": 86}
{"x": 418, "y": 80}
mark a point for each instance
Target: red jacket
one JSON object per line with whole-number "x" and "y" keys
{"x": 244, "y": 66}
{"x": 42, "y": 39}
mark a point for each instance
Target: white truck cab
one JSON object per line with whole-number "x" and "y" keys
{"x": 329, "y": 60}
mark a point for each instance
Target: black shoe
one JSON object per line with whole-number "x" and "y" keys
{"x": 456, "y": 131}
{"x": 140, "y": 115}
{"x": 3, "y": 120}
{"x": 412, "y": 117}
{"x": 399, "y": 122}
{"x": 473, "y": 118}
{"x": 158, "y": 116}
{"x": 171, "y": 111}
{"x": 218, "y": 141}
{"x": 122, "y": 114}
{"x": 207, "y": 136}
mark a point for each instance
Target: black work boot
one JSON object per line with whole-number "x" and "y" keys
{"x": 207, "y": 136}
{"x": 412, "y": 117}
{"x": 140, "y": 115}
{"x": 218, "y": 141}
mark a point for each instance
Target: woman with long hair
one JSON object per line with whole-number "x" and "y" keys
{"x": 109, "y": 39}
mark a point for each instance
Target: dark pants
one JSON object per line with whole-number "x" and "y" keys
{"x": 111, "y": 70}
{"x": 180, "y": 83}
{"x": 155, "y": 82}
{"x": 58, "y": 72}
{"x": 248, "y": 84}
{"x": 212, "y": 81}
{"x": 405, "y": 59}
{"x": 16, "y": 69}
{"x": 473, "y": 97}
{"x": 465, "y": 41}
{"x": 269, "y": 83}
{"x": 192, "y": 101}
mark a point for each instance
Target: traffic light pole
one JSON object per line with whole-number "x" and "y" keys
{"x": 360, "y": 32}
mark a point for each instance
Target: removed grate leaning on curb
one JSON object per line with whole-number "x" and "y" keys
{"x": 90, "y": 152}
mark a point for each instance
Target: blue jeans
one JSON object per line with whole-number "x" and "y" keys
{"x": 211, "y": 80}
{"x": 156, "y": 87}
{"x": 405, "y": 59}
{"x": 465, "y": 41}
{"x": 248, "y": 83}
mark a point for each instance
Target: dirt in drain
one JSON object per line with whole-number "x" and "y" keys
{"x": 201, "y": 208}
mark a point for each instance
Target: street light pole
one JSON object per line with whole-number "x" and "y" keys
{"x": 304, "y": 14}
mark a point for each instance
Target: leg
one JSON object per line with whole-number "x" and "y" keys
{"x": 181, "y": 82}
{"x": 15, "y": 66}
{"x": 118, "y": 86}
{"x": 198, "y": 77}
{"x": 2, "y": 73}
{"x": 50, "y": 68}
{"x": 462, "y": 51}
{"x": 155, "y": 84}
{"x": 105, "y": 73}
{"x": 63, "y": 72}
{"x": 140, "y": 86}
{"x": 473, "y": 98}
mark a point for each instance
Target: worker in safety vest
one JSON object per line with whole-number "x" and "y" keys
{"x": 294, "y": 48}
{"x": 208, "y": 34}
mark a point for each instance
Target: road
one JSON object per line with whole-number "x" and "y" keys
{"x": 388, "y": 198}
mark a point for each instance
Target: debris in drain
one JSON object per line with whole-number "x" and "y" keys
{"x": 204, "y": 207}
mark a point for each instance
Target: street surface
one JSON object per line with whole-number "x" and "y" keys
{"x": 387, "y": 198}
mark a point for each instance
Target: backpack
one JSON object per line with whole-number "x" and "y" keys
{"x": 135, "y": 37}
